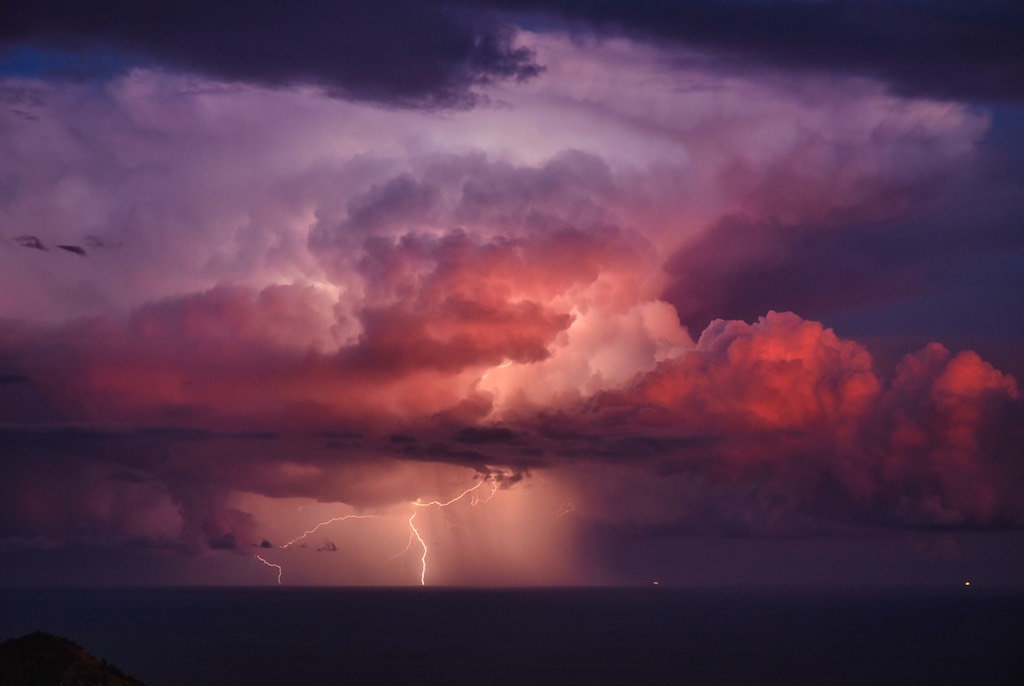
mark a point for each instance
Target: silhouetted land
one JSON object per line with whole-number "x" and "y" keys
{"x": 42, "y": 659}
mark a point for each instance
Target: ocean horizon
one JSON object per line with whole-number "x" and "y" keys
{"x": 167, "y": 636}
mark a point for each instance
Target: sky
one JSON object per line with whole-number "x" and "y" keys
{"x": 512, "y": 293}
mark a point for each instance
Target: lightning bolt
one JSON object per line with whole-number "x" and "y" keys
{"x": 460, "y": 496}
{"x": 280, "y": 571}
{"x": 500, "y": 366}
{"x": 322, "y": 524}
{"x": 423, "y": 544}
{"x": 474, "y": 501}
{"x": 472, "y": 493}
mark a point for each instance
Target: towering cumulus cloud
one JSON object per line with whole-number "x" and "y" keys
{"x": 787, "y": 427}
{"x": 523, "y": 293}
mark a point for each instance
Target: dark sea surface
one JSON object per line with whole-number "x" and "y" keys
{"x": 657, "y": 635}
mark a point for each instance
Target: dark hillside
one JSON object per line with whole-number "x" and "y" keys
{"x": 41, "y": 659}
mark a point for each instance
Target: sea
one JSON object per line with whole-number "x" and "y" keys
{"x": 585, "y": 636}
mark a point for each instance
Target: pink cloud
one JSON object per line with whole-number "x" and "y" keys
{"x": 785, "y": 413}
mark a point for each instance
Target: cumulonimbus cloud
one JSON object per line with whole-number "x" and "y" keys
{"x": 778, "y": 427}
{"x": 333, "y": 311}
{"x": 791, "y": 428}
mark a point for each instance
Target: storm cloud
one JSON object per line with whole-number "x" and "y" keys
{"x": 537, "y": 278}
{"x": 406, "y": 53}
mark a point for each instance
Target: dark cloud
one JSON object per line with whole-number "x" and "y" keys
{"x": 13, "y": 379}
{"x": 30, "y": 242}
{"x": 741, "y": 267}
{"x": 495, "y": 434}
{"x": 942, "y": 48}
{"x": 891, "y": 242}
{"x": 170, "y": 486}
{"x": 428, "y": 53}
{"x": 404, "y": 52}
{"x": 223, "y": 541}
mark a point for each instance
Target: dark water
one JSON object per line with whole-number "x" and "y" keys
{"x": 554, "y": 636}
